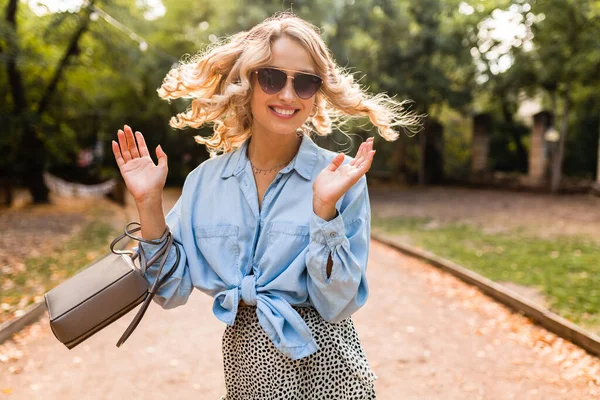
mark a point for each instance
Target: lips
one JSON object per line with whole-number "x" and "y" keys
{"x": 284, "y": 112}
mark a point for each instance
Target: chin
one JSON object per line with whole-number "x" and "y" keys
{"x": 285, "y": 129}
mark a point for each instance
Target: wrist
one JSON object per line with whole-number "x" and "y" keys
{"x": 325, "y": 211}
{"x": 149, "y": 202}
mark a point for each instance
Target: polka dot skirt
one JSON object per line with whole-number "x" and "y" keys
{"x": 256, "y": 370}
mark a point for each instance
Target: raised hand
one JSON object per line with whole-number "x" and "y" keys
{"x": 335, "y": 180}
{"x": 144, "y": 179}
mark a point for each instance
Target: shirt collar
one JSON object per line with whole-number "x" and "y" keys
{"x": 304, "y": 161}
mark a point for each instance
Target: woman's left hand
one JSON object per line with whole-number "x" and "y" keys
{"x": 335, "y": 180}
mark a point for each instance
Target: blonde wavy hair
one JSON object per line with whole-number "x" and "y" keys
{"x": 219, "y": 82}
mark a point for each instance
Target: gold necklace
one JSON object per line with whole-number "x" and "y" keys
{"x": 260, "y": 170}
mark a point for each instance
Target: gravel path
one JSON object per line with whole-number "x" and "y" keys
{"x": 539, "y": 214}
{"x": 426, "y": 334}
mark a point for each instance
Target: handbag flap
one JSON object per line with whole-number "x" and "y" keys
{"x": 92, "y": 281}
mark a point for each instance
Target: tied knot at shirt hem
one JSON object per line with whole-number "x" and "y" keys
{"x": 282, "y": 324}
{"x": 248, "y": 290}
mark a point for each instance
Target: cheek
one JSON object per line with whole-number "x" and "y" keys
{"x": 307, "y": 107}
{"x": 257, "y": 102}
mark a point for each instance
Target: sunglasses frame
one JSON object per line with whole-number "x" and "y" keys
{"x": 288, "y": 77}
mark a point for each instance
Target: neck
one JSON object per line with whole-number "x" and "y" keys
{"x": 268, "y": 151}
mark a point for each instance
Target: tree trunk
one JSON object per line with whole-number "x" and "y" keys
{"x": 35, "y": 164}
{"x": 32, "y": 146}
{"x": 557, "y": 162}
{"x": 71, "y": 51}
{"x": 15, "y": 79}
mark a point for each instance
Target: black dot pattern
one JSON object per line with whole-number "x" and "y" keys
{"x": 256, "y": 370}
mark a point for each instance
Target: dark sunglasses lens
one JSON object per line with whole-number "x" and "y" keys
{"x": 306, "y": 85}
{"x": 271, "y": 80}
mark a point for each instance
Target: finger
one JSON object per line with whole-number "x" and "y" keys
{"x": 336, "y": 162}
{"x": 365, "y": 157}
{"x": 123, "y": 145}
{"x": 366, "y": 165}
{"x": 356, "y": 158}
{"x": 368, "y": 148}
{"x": 131, "y": 143}
{"x": 360, "y": 154}
{"x": 142, "y": 144}
{"x": 161, "y": 156}
{"x": 368, "y": 145}
{"x": 117, "y": 153}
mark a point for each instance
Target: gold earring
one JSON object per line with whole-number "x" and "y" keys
{"x": 316, "y": 112}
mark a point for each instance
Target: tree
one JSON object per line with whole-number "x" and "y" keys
{"x": 29, "y": 112}
{"x": 566, "y": 56}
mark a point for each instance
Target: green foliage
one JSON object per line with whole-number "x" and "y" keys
{"x": 503, "y": 154}
{"x": 561, "y": 63}
{"x": 582, "y": 145}
{"x": 457, "y": 143}
{"x": 42, "y": 273}
{"x": 410, "y": 49}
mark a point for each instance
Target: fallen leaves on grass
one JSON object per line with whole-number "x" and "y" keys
{"x": 577, "y": 367}
{"x": 60, "y": 235}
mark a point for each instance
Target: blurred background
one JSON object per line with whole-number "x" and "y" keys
{"x": 503, "y": 179}
{"x": 511, "y": 88}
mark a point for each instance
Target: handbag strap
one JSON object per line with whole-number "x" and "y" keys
{"x": 156, "y": 285}
{"x": 128, "y": 232}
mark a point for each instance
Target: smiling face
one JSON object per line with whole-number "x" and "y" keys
{"x": 271, "y": 111}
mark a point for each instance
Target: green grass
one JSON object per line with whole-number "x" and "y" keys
{"x": 565, "y": 270}
{"x": 42, "y": 273}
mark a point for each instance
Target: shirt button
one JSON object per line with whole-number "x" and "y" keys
{"x": 333, "y": 234}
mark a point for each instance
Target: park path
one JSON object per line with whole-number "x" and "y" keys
{"x": 493, "y": 210}
{"x": 426, "y": 334}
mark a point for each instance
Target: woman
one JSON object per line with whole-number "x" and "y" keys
{"x": 276, "y": 229}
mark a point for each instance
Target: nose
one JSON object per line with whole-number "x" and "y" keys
{"x": 287, "y": 94}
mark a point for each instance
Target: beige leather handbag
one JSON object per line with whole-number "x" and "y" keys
{"x": 107, "y": 290}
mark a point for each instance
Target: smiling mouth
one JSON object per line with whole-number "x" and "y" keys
{"x": 282, "y": 112}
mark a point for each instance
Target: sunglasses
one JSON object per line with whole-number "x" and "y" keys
{"x": 272, "y": 80}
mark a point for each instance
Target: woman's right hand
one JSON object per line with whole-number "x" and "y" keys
{"x": 144, "y": 179}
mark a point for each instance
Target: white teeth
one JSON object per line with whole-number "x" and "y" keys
{"x": 284, "y": 112}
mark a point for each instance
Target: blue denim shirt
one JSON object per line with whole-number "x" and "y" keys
{"x": 275, "y": 257}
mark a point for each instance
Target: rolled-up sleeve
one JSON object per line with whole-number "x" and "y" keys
{"x": 346, "y": 239}
{"x": 176, "y": 290}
